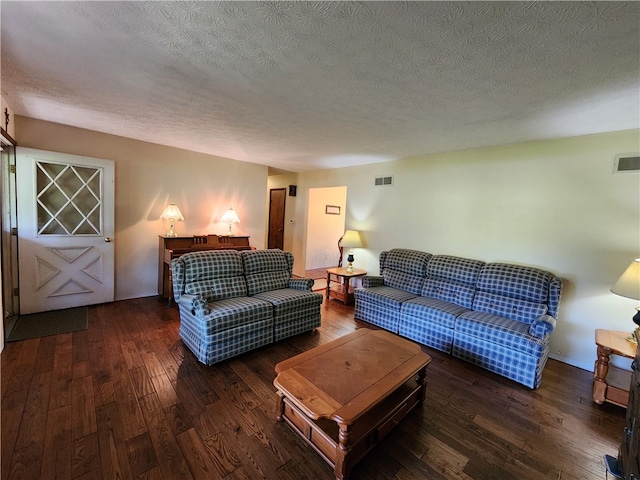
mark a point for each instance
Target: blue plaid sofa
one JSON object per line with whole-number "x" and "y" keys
{"x": 232, "y": 301}
{"x": 496, "y": 315}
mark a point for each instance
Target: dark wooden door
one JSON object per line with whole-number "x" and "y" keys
{"x": 277, "y": 199}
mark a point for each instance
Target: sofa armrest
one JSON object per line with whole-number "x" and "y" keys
{"x": 196, "y": 303}
{"x": 372, "y": 281}
{"x": 542, "y": 326}
{"x": 301, "y": 284}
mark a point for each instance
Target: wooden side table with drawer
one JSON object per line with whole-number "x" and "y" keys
{"x": 610, "y": 384}
{"x": 344, "y": 291}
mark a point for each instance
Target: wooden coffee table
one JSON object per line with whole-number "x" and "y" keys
{"x": 345, "y": 396}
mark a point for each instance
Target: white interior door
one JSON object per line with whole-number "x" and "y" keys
{"x": 65, "y": 230}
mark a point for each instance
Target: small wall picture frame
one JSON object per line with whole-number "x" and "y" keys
{"x": 332, "y": 210}
{"x": 293, "y": 189}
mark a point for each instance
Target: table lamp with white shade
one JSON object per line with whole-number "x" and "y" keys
{"x": 230, "y": 217}
{"x": 628, "y": 285}
{"x": 172, "y": 214}
{"x": 351, "y": 239}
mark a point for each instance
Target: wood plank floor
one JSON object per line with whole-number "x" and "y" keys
{"x": 125, "y": 399}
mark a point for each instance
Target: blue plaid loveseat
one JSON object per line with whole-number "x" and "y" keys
{"x": 232, "y": 301}
{"x": 496, "y": 315}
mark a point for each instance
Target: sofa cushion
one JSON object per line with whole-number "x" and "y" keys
{"x": 234, "y": 312}
{"x": 266, "y": 269}
{"x": 452, "y": 279}
{"x": 214, "y": 275}
{"x": 513, "y": 291}
{"x": 211, "y": 264}
{"x": 515, "y": 309}
{"x": 506, "y": 332}
{"x": 449, "y": 292}
{"x": 432, "y": 310}
{"x": 515, "y": 281}
{"x": 289, "y": 300}
{"x": 383, "y": 296}
{"x": 218, "y": 288}
{"x": 404, "y": 269}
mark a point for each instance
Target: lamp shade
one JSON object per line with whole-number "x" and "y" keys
{"x": 230, "y": 216}
{"x": 172, "y": 212}
{"x": 351, "y": 239}
{"x": 628, "y": 285}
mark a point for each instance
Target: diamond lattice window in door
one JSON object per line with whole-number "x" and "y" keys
{"x": 68, "y": 199}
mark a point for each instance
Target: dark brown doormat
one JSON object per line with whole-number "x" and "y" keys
{"x": 53, "y": 322}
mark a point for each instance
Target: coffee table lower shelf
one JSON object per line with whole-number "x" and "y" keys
{"x": 323, "y": 435}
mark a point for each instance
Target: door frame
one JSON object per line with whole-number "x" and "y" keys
{"x": 9, "y": 241}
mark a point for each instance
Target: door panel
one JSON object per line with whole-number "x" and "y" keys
{"x": 277, "y": 199}
{"x": 65, "y": 228}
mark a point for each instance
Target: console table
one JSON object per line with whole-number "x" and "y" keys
{"x": 172, "y": 247}
{"x": 627, "y": 464}
{"x": 629, "y": 454}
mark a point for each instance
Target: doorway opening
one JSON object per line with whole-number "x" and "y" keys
{"x": 325, "y": 225}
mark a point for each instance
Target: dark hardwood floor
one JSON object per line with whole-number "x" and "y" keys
{"x": 125, "y": 399}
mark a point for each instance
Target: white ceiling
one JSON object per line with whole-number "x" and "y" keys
{"x": 311, "y": 85}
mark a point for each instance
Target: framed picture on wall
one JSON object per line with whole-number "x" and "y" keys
{"x": 332, "y": 210}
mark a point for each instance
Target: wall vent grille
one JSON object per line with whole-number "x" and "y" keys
{"x": 626, "y": 163}
{"x": 383, "y": 181}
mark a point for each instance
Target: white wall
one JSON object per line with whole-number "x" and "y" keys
{"x": 551, "y": 204}
{"x": 324, "y": 230}
{"x": 148, "y": 177}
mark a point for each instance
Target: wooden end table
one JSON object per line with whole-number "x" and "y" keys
{"x": 344, "y": 292}
{"x": 343, "y": 397}
{"x": 611, "y": 384}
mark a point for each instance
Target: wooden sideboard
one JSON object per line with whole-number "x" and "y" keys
{"x": 172, "y": 247}
{"x": 629, "y": 454}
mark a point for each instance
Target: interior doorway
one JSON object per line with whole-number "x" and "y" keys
{"x": 277, "y": 202}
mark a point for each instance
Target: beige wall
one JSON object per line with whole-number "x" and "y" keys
{"x": 148, "y": 177}
{"x": 552, "y": 204}
{"x": 324, "y": 230}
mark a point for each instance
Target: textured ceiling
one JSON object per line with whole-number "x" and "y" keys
{"x": 310, "y": 85}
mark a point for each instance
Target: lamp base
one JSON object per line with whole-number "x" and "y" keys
{"x": 350, "y": 264}
{"x": 636, "y": 317}
{"x": 171, "y": 233}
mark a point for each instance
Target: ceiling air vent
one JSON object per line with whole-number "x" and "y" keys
{"x": 380, "y": 181}
{"x": 626, "y": 163}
